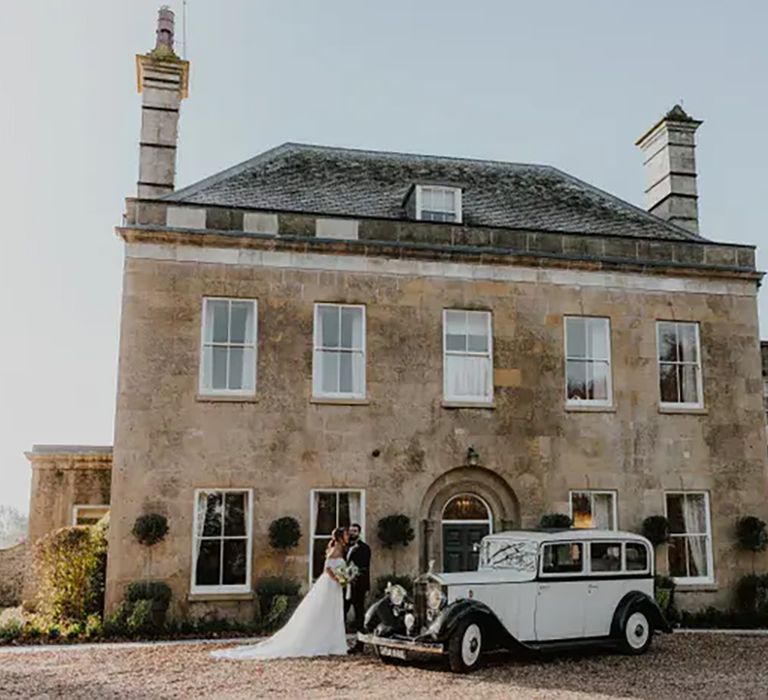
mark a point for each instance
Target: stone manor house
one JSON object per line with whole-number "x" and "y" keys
{"x": 339, "y": 335}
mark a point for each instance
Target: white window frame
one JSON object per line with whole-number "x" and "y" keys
{"x": 457, "y": 211}
{"x": 487, "y": 400}
{"x": 317, "y": 391}
{"x": 608, "y": 402}
{"x": 697, "y": 364}
{"x": 237, "y": 588}
{"x": 592, "y": 493}
{"x": 202, "y": 389}
{"x": 694, "y": 580}
{"x": 312, "y": 518}
{"x": 78, "y": 507}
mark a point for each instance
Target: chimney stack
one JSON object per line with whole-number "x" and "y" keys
{"x": 669, "y": 148}
{"x": 163, "y": 81}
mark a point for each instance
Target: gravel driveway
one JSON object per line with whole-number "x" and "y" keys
{"x": 679, "y": 666}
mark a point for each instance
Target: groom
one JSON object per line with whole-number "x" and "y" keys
{"x": 359, "y": 554}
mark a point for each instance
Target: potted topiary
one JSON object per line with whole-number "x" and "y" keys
{"x": 149, "y": 529}
{"x": 395, "y": 531}
{"x": 655, "y": 529}
{"x": 554, "y": 521}
{"x": 284, "y": 535}
{"x": 752, "y": 536}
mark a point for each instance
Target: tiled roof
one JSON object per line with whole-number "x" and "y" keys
{"x": 347, "y": 182}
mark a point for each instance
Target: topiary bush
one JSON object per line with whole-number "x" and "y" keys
{"x": 751, "y": 535}
{"x": 269, "y": 587}
{"x": 655, "y": 529}
{"x": 395, "y": 531}
{"x": 555, "y": 521}
{"x": 71, "y": 566}
{"x": 150, "y": 529}
{"x": 751, "y": 594}
{"x": 284, "y": 535}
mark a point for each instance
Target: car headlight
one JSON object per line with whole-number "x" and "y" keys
{"x": 435, "y": 598}
{"x": 397, "y": 595}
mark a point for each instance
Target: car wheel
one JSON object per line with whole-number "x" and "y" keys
{"x": 637, "y": 633}
{"x": 465, "y": 647}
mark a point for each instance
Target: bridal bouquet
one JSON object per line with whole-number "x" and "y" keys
{"x": 345, "y": 574}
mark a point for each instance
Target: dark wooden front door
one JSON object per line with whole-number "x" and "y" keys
{"x": 458, "y": 546}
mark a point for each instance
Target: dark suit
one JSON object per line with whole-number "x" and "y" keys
{"x": 358, "y": 554}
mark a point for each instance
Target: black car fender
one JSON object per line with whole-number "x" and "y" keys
{"x": 459, "y": 610}
{"x": 638, "y": 600}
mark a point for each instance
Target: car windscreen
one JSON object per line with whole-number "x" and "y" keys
{"x": 517, "y": 555}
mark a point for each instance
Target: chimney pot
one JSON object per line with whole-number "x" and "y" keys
{"x": 669, "y": 147}
{"x": 165, "y": 28}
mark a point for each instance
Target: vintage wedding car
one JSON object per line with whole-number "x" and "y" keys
{"x": 533, "y": 589}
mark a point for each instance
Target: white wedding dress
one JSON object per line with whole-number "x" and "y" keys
{"x": 316, "y": 628}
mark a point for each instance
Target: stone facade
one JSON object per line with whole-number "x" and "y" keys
{"x": 401, "y": 445}
{"x": 63, "y": 477}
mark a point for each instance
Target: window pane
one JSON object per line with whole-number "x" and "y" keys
{"x": 325, "y": 512}
{"x": 352, "y": 328}
{"x": 219, "y": 310}
{"x": 219, "y": 375}
{"x": 235, "y": 368}
{"x": 689, "y": 385}
{"x": 637, "y": 557}
{"x": 577, "y": 380}
{"x": 345, "y": 518}
{"x": 602, "y": 511}
{"x": 676, "y": 555}
{"x": 605, "y": 556}
{"x": 235, "y": 562}
{"x": 455, "y": 343}
{"x": 675, "y": 513}
{"x": 318, "y": 555}
{"x": 235, "y": 514}
{"x": 668, "y": 383}
{"x": 687, "y": 335}
{"x": 597, "y": 339}
{"x": 329, "y": 371}
{"x": 210, "y": 504}
{"x": 477, "y": 330}
{"x": 467, "y": 376}
{"x": 249, "y": 369}
{"x": 697, "y": 556}
{"x": 241, "y": 329}
{"x": 695, "y": 513}
{"x": 208, "y": 563}
{"x": 667, "y": 342}
{"x": 598, "y": 383}
{"x": 328, "y": 317}
{"x": 582, "y": 510}
{"x": 563, "y": 558}
{"x": 346, "y": 381}
{"x": 577, "y": 337}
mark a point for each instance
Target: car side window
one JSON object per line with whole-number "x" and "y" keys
{"x": 605, "y": 556}
{"x": 563, "y": 558}
{"x": 636, "y": 556}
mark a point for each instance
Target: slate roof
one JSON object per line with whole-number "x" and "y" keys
{"x": 341, "y": 181}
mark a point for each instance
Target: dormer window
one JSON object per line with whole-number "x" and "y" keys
{"x": 437, "y": 203}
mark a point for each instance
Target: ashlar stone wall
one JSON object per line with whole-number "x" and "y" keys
{"x": 401, "y": 445}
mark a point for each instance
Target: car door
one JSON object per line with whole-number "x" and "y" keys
{"x": 561, "y": 591}
{"x": 605, "y": 587}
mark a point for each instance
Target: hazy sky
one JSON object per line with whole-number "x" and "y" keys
{"x": 572, "y": 84}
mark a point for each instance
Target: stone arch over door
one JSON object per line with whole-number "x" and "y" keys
{"x": 489, "y": 486}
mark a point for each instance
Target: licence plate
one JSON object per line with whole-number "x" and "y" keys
{"x": 394, "y": 653}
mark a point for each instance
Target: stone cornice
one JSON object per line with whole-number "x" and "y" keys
{"x": 633, "y": 258}
{"x": 70, "y": 460}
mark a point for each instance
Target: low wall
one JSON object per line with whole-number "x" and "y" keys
{"x": 13, "y": 563}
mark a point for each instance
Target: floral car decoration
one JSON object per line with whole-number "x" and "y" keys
{"x": 538, "y": 589}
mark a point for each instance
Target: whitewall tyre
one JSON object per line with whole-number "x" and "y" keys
{"x": 465, "y": 647}
{"x": 637, "y": 633}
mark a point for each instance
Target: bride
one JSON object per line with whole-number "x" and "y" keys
{"x": 316, "y": 628}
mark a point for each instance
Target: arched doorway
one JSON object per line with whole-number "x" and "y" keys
{"x": 466, "y": 520}
{"x": 467, "y": 497}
